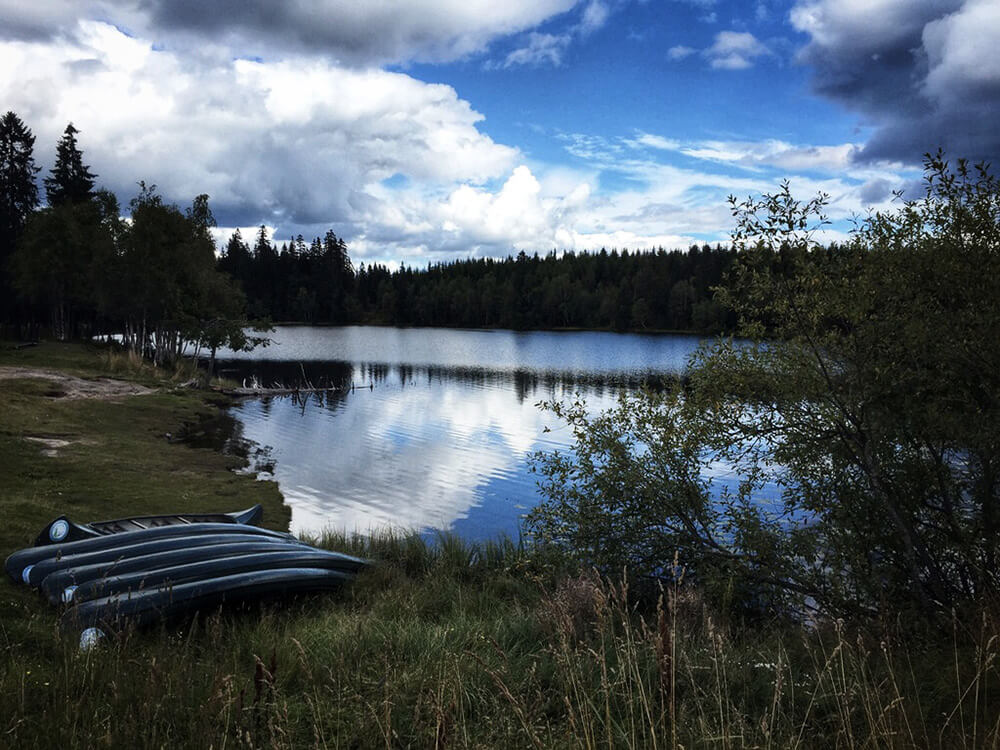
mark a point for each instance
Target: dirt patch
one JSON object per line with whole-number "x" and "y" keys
{"x": 72, "y": 387}
{"x": 51, "y": 445}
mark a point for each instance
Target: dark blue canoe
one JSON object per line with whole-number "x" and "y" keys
{"x": 63, "y": 530}
{"x": 16, "y": 564}
{"x": 140, "y": 570}
{"x": 144, "y": 580}
{"x": 109, "y": 614}
{"x": 55, "y": 583}
{"x": 34, "y": 574}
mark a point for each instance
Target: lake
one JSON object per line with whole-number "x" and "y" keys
{"x": 429, "y": 428}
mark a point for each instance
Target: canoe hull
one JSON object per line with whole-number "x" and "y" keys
{"x": 17, "y": 562}
{"x": 135, "y": 571}
{"x": 36, "y": 573}
{"x": 145, "y": 580}
{"x": 63, "y": 530}
{"x": 110, "y": 614}
{"x": 54, "y": 583}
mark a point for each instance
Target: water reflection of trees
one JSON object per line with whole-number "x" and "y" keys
{"x": 289, "y": 374}
{"x": 340, "y": 378}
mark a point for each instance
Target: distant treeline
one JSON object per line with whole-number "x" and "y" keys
{"x": 317, "y": 283}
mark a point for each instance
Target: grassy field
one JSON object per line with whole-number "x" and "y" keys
{"x": 439, "y": 645}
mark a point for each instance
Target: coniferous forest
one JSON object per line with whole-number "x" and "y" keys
{"x": 317, "y": 283}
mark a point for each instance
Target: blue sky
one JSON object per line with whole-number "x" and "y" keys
{"x": 425, "y": 131}
{"x": 621, "y": 78}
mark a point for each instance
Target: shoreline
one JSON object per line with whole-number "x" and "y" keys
{"x": 552, "y": 329}
{"x": 119, "y": 453}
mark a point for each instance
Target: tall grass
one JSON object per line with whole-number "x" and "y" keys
{"x": 451, "y": 644}
{"x": 126, "y": 363}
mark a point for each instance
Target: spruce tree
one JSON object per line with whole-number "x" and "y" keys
{"x": 18, "y": 190}
{"x": 18, "y": 195}
{"x": 236, "y": 259}
{"x": 71, "y": 180}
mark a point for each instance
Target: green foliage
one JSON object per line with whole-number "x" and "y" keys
{"x": 318, "y": 284}
{"x": 62, "y": 263}
{"x": 659, "y": 290}
{"x": 867, "y": 400}
{"x": 311, "y": 283}
{"x": 85, "y": 271}
{"x": 174, "y": 294}
{"x": 18, "y": 191}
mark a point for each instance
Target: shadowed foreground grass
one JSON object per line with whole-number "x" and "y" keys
{"x": 450, "y": 645}
{"x": 441, "y": 644}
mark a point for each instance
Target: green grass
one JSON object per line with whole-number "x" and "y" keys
{"x": 118, "y": 461}
{"x": 443, "y": 644}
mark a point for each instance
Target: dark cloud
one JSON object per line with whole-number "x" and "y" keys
{"x": 875, "y": 191}
{"x": 35, "y": 21}
{"x": 369, "y": 32}
{"x": 924, "y": 74}
{"x": 362, "y": 32}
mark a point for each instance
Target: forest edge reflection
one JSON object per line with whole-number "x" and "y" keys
{"x": 332, "y": 380}
{"x": 429, "y": 429}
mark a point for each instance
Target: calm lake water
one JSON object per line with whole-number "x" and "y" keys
{"x": 430, "y": 428}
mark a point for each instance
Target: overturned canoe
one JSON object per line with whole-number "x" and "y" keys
{"x": 34, "y": 574}
{"x": 109, "y": 614}
{"x": 145, "y": 580}
{"x": 63, "y": 530}
{"x": 17, "y": 562}
{"x": 55, "y": 583}
{"x": 140, "y": 570}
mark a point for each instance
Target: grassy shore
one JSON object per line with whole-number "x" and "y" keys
{"x": 440, "y": 645}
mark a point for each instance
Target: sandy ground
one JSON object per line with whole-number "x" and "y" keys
{"x": 72, "y": 387}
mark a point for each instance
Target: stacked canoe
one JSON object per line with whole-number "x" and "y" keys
{"x": 136, "y": 571}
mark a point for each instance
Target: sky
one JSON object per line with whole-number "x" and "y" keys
{"x": 428, "y": 130}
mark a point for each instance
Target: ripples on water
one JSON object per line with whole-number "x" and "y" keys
{"x": 430, "y": 429}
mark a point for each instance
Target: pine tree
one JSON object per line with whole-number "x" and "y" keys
{"x": 18, "y": 195}
{"x": 236, "y": 258}
{"x": 18, "y": 190}
{"x": 71, "y": 180}
{"x": 262, "y": 247}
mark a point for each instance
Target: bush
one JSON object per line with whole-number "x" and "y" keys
{"x": 846, "y": 456}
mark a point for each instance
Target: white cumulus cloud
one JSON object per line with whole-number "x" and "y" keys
{"x": 735, "y": 50}
{"x": 962, "y": 53}
{"x": 293, "y": 142}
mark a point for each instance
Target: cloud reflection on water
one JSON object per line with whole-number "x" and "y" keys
{"x": 414, "y": 448}
{"x": 430, "y": 428}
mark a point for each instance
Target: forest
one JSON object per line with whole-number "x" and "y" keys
{"x": 77, "y": 267}
{"x": 316, "y": 283}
